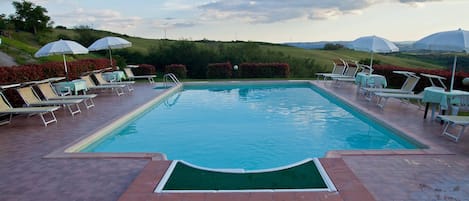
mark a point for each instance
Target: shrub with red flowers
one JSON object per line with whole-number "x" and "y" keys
{"x": 219, "y": 70}
{"x": 179, "y": 70}
{"x": 264, "y": 70}
{"x": 397, "y": 80}
{"x": 31, "y": 72}
{"x": 144, "y": 69}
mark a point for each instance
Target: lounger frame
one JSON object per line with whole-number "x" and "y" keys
{"x": 31, "y": 98}
{"x": 41, "y": 111}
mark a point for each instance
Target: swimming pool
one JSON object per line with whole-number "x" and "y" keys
{"x": 249, "y": 126}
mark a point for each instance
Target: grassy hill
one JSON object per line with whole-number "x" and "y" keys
{"x": 23, "y": 45}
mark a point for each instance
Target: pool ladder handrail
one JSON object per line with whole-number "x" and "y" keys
{"x": 170, "y": 77}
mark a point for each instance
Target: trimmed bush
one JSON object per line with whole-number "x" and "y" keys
{"x": 219, "y": 70}
{"x": 396, "y": 80}
{"x": 144, "y": 69}
{"x": 31, "y": 72}
{"x": 264, "y": 70}
{"x": 179, "y": 70}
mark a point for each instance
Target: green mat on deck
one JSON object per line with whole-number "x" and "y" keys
{"x": 303, "y": 176}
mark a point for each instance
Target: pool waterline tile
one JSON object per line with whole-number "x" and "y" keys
{"x": 146, "y": 155}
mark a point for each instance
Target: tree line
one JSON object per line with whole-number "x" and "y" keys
{"x": 195, "y": 55}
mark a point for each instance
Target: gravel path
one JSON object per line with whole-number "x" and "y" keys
{"x": 6, "y": 60}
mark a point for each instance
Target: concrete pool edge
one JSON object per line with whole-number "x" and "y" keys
{"x": 348, "y": 186}
{"x": 428, "y": 148}
{"x": 72, "y": 149}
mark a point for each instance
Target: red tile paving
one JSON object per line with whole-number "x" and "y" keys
{"x": 437, "y": 173}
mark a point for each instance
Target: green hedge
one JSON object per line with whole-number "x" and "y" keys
{"x": 179, "y": 70}
{"x": 264, "y": 70}
{"x": 219, "y": 70}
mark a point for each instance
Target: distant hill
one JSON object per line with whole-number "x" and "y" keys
{"x": 304, "y": 58}
{"x": 315, "y": 45}
{"x": 404, "y": 46}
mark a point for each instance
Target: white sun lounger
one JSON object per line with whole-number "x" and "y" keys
{"x": 339, "y": 69}
{"x": 49, "y": 93}
{"x": 350, "y": 72}
{"x": 90, "y": 85}
{"x": 31, "y": 98}
{"x": 435, "y": 77}
{"x": 406, "y": 88}
{"x": 383, "y": 97}
{"x": 462, "y": 121}
{"x": 131, "y": 76}
{"x": 362, "y": 68}
{"x": 7, "y": 109}
{"x": 101, "y": 81}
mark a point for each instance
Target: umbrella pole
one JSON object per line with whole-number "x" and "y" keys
{"x": 371, "y": 63}
{"x": 453, "y": 73}
{"x": 110, "y": 57}
{"x": 65, "y": 66}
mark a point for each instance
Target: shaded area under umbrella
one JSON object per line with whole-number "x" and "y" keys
{"x": 61, "y": 47}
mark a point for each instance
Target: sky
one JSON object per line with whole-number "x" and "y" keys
{"x": 275, "y": 21}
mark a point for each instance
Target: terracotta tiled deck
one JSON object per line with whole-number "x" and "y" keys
{"x": 437, "y": 173}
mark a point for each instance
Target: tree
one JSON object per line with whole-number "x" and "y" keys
{"x": 86, "y": 35}
{"x": 331, "y": 46}
{"x": 30, "y": 17}
{"x": 3, "y": 24}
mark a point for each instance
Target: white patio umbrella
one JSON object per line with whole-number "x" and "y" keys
{"x": 446, "y": 41}
{"x": 373, "y": 44}
{"x": 61, "y": 47}
{"x": 108, "y": 43}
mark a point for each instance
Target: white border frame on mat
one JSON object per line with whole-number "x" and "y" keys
{"x": 330, "y": 186}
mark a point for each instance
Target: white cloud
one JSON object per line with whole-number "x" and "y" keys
{"x": 101, "y": 19}
{"x": 170, "y": 23}
{"x": 269, "y": 11}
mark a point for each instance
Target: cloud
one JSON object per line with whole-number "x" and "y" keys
{"x": 417, "y": 3}
{"x": 270, "y": 11}
{"x": 100, "y": 19}
{"x": 171, "y": 23}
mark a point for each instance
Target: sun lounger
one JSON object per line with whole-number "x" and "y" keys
{"x": 450, "y": 120}
{"x": 131, "y": 76}
{"x": 31, "y": 98}
{"x": 406, "y": 88}
{"x": 339, "y": 69}
{"x": 49, "y": 93}
{"x": 101, "y": 81}
{"x": 435, "y": 77}
{"x": 92, "y": 86}
{"x": 7, "y": 109}
{"x": 350, "y": 71}
{"x": 362, "y": 68}
{"x": 461, "y": 103}
{"x": 383, "y": 97}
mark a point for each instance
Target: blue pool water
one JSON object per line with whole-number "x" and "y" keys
{"x": 249, "y": 127}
